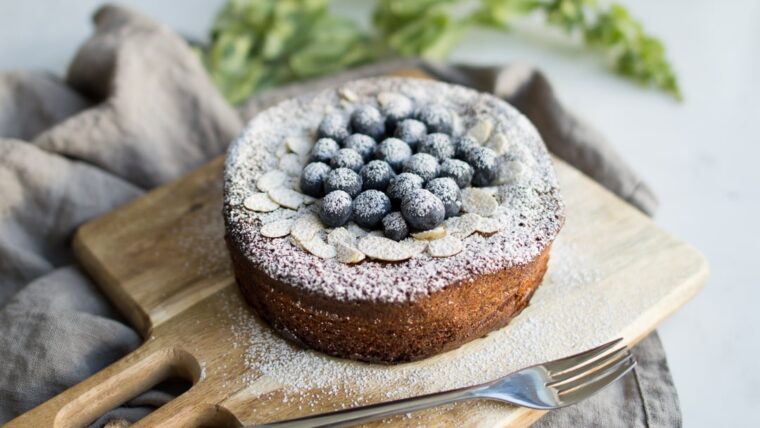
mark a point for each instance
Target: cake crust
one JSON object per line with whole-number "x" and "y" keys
{"x": 391, "y": 332}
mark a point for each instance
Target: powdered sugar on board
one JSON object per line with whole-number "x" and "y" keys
{"x": 302, "y": 373}
{"x": 528, "y": 210}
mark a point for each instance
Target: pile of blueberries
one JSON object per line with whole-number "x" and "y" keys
{"x": 401, "y": 169}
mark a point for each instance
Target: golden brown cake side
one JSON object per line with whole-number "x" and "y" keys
{"x": 391, "y": 332}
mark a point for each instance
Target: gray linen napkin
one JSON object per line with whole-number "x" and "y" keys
{"x": 136, "y": 110}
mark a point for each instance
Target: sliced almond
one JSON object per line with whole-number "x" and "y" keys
{"x": 481, "y": 131}
{"x": 429, "y": 235}
{"x": 348, "y": 254}
{"x": 342, "y": 235}
{"x": 445, "y": 247}
{"x": 386, "y": 99}
{"x": 281, "y": 150}
{"x": 512, "y": 172}
{"x": 478, "y": 201}
{"x": 380, "y": 248}
{"x": 271, "y": 180}
{"x": 356, "y": 230}
{"x": 277, "y": 228}
{"x": 348, "y": 94}
{"x": 317, "y": 246}
{"x": 521, "y": 153}
{"x": 491, "y": 190}
{"x": 298, "y": 145}
{"x": 456, "y": 124}
{"x": 291, "y": 164}
{"x": 279, "y": 214}
{"x": 260, "y": 202}
{"x": 304, "y": 159}
{"x": 344, "y": 242}
{"x": 414, "y": 246}
{"x": 306, "y": 227}
{"x": 287, "y": 198}
{"x": 488, "y": 225}
{"x": 498, "y": 143}
{"x": 462, "y": 226}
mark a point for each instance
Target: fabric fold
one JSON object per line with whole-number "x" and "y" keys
{"x": 158, "y": 116}
{"x": 32, "y": 102}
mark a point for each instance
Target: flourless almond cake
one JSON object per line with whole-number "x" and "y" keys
{"x": 390, "y": 219}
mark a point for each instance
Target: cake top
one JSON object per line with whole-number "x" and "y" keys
{"x": 389, "y": 189}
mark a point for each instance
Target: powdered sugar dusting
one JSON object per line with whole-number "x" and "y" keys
{"x": 529, "y": 210}
{"x": 302, "y": 373}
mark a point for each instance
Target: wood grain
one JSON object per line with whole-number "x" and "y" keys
{"x": 161, "y": 259}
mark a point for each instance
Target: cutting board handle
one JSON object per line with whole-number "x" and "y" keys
{"x": 125, "y": 379}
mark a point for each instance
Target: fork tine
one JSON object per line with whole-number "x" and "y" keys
{"x": 591, "y": 375}
{"x": 585, "y": 390}
{"x": 567, "y": 363}
{"x": 588, "y": 366}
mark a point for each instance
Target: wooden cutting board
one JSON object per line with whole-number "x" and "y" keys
{"x": 161, "y": 259}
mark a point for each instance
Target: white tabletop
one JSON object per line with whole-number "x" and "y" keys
{"x": 701, "y": 156}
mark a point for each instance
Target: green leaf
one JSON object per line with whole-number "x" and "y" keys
{"x": 336, "y": 44}
{"x": 425, "y": 28}
{"x": 501, "y": 13}
{"x": 256, "y": 44}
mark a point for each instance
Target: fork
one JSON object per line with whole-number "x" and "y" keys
{"x": 546, "y": 386}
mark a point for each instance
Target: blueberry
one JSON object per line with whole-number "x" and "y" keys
{"x": 463, "y": 145}
{"x": 411, "y": 131}
{"x": 422, "y": 164}
{"x": 483, "y": 162}
{"x": 403, "y": 184}
{"x": 370, "y": 207}
{"x": 313, "y": 177}
{"x": 394, "y": 226}
{"x": 367, "y": 120}
{"x": 324, "y": 150}
{"x": 459, "y": 170}
{"x": 343, "y": 179}
{"x": 395, "y": 107}
{"x": 333, "y": 125}
{"x": 376, "y": 175}
{"x": 438, "y": 145}
{"x": 393, "y": 151}
{"x": 437, "y": 118}
{"x": 347, "y": 158}
{"x": 363, "y": 144}
{"x": 335, "y": 209}
{"x": 423, "y": 210}
{"x": 447, "y": 191}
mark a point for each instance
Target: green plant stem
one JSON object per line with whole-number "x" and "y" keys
{"x": 256, "y": 44}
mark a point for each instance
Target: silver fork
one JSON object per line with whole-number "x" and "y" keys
{"x": 546, "y": 386}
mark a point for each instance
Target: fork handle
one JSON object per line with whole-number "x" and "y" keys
{"x": 373, "y": 412}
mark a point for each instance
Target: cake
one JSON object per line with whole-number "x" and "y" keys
{"x": 389, "y": 219}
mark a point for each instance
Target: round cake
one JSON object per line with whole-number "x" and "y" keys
{"x": 389, "y": 219}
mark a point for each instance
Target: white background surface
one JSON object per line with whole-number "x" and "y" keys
{"x": 701, "y": 156}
